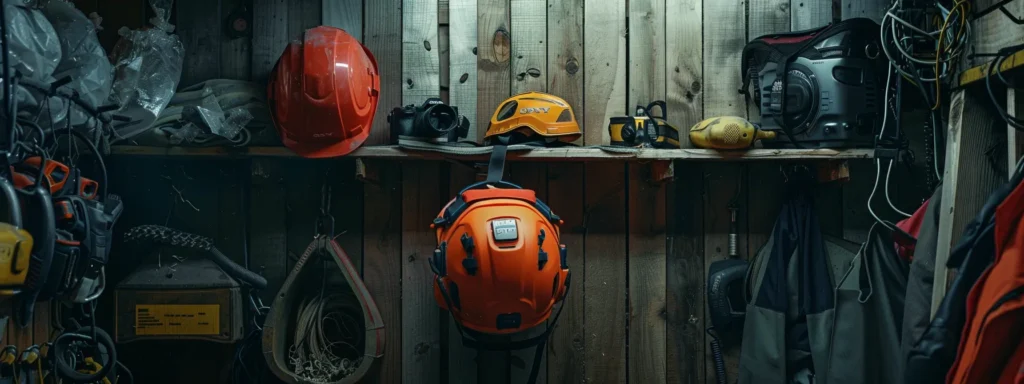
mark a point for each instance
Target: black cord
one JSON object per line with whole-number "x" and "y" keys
{"x": 12, "y": 113}
{"x": 249, "y": 366}
{"x": 716, "y": 354}
{"x": 122, "y": 368}
{"x": 996, "y": 67}
{"x": 35, "y": 127}
{"x": 63, "y": 344}
{"x": 47, "y": 89}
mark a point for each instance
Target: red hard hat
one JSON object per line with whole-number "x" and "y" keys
{"x": 323, "y": 93}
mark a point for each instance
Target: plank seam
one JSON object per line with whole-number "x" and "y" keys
{"x": 629, "y": 229}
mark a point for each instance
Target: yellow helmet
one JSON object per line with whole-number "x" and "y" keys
{"x": 533, "y": 116}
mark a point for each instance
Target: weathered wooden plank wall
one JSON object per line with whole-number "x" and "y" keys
{"x": 639, "y": 248}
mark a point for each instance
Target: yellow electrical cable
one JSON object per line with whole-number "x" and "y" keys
{"x": 963, "y": 7}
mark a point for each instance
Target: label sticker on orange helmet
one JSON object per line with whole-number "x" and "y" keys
{"x": 504, "y": 229}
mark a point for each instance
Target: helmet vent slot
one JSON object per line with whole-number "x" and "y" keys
{"x": 564, "y": 117}
{"x": 506, "y": 111}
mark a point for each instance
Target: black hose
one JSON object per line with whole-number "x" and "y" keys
{"x": 236, "y": 270}
{"x": 716, "y": 354}
{"x": 158, "y": 234}
{"x": 65, "y": 370}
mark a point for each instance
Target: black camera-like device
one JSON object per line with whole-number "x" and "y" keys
{"x": 432, "y": 121}
{"x": 820, "y": 88}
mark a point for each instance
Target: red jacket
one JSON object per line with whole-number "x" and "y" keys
{"x": 992, "y": 344}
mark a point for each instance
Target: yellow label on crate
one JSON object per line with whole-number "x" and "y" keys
{"x": 176, "y": 319}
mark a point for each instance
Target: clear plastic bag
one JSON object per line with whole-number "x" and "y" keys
{"x": 35, "y": 50}
{"x": 186, "y": 134}
{"x": 162, "y": 9}
{"x": 84, "y": 61}
{"x": 147, "y": 69}
{"x": 210, "y": 115}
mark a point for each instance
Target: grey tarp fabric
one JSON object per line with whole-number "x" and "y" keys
{"x": 917, "y": 312}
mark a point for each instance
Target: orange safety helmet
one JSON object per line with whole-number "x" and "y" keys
{"x": 499, "y": 267}
{"x": 525, "y": 116}
{"x": 323, "y": 93}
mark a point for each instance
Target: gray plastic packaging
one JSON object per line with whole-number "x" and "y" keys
{"x": 84, "y": 61}
{"x": 147, "y": 69}
{"x": 35, "y": 49}
{"x": 209, "y": 114}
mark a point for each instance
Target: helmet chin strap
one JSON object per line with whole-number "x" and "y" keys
{"x": 496, "y": 167}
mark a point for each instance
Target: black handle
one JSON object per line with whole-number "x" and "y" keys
{"x": 13, "y": 207}
{"x": 661, "y": 105}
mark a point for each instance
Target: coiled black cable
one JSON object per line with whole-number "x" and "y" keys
{"x": 62, "y": 346}
{"x": 716, "y": 354}
{"x": 995, "y": 68}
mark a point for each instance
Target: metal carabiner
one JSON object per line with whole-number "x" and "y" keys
{"x": 325, "y": 222}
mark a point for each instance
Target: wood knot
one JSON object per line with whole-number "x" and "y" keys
{"x": 409, "y": 82}
{"x": 689, "y": 96}
{"x": 695, "y": 87}
{"x": 677, "y": 69}
{"x": 533, "y": 72}
{"x": 784, "y": 7}
{"x": 501, "y": 45}
{"x": 474, "y": 51}
{"x": 463, "y": 78}
{"x": 572, "y": 66}
{"x": 426, "y": 44}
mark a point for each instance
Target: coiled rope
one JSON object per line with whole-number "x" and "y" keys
{"x": 328, "y": 341}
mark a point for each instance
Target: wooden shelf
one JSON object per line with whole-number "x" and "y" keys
{"x": 539, "y": 154}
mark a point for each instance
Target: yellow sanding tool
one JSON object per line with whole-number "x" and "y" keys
{"x": 15, "y": 252}
{"x": 727, "y": 132}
